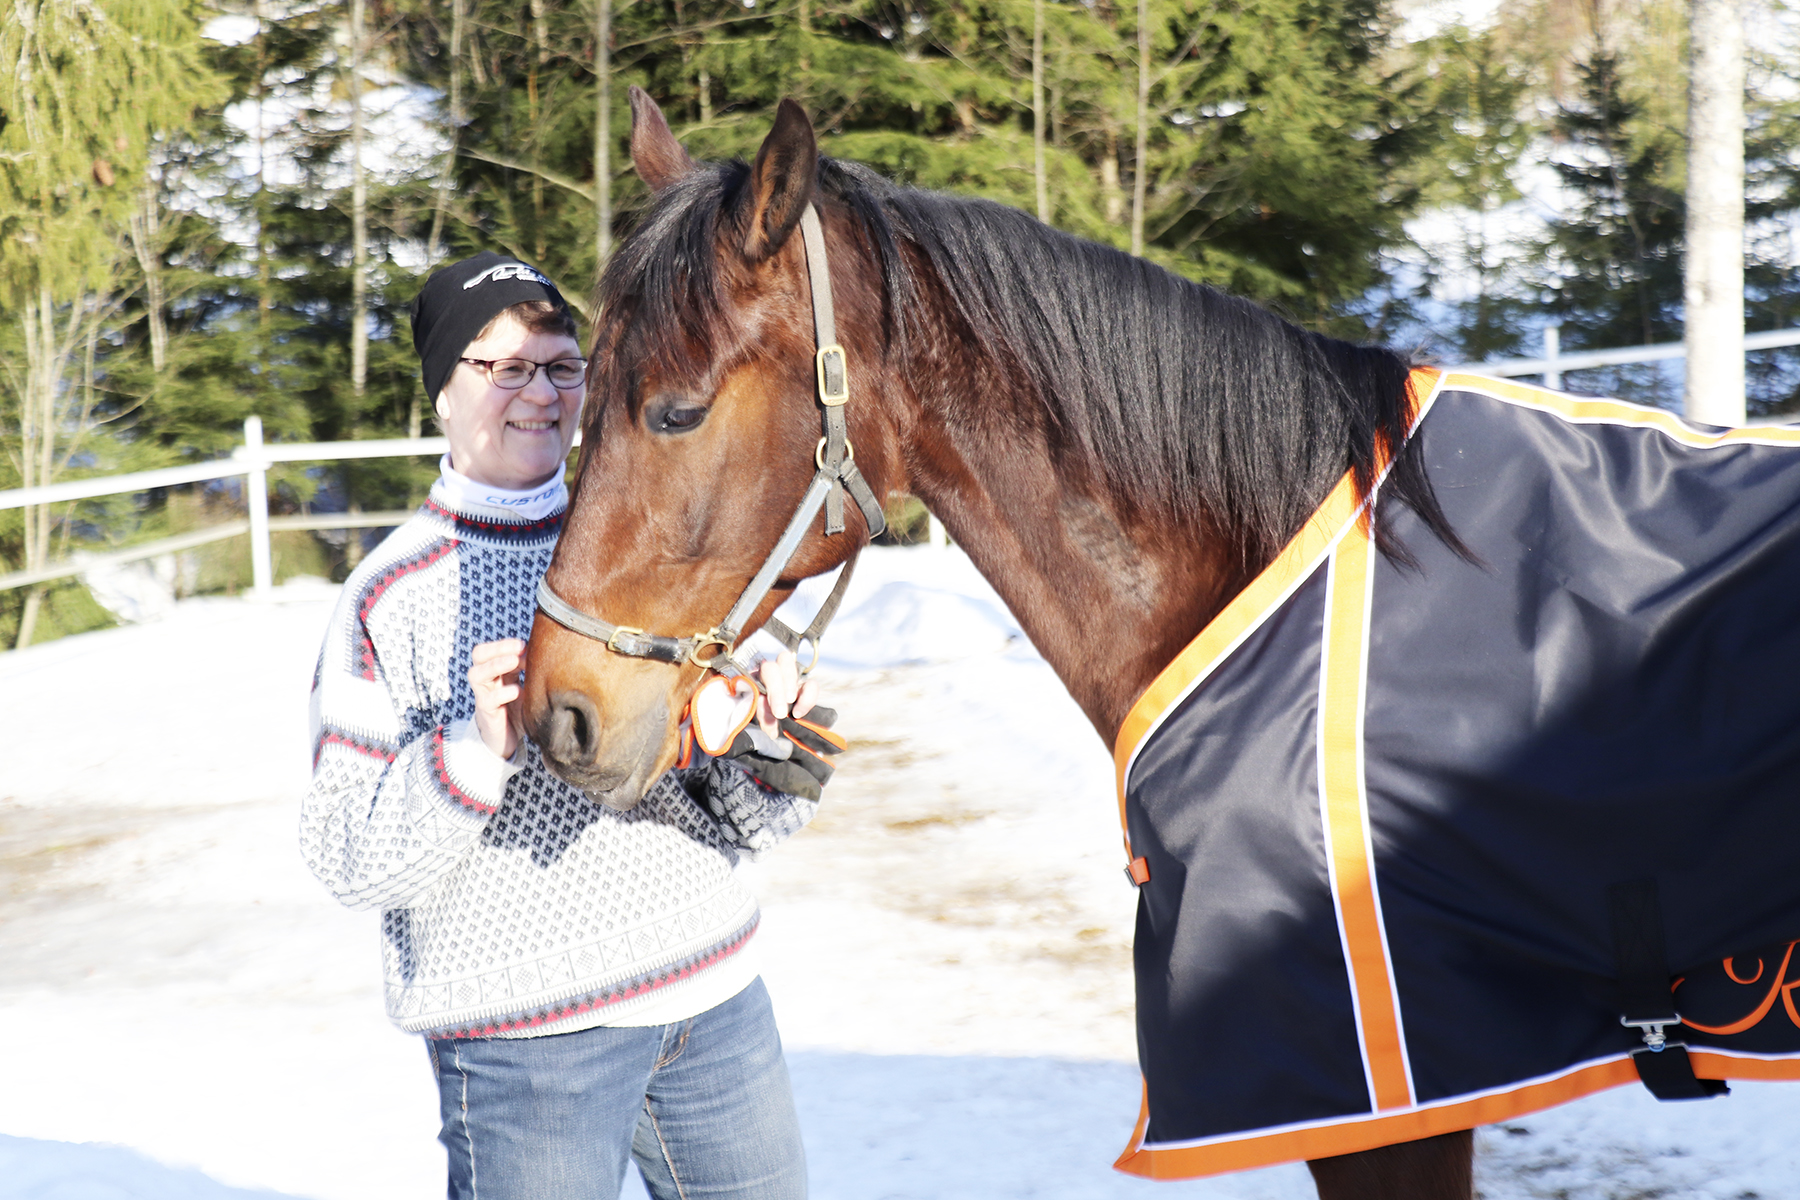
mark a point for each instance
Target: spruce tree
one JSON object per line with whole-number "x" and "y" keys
{"x": 1479, "y": 92}
{"x": 1617, "y": 251}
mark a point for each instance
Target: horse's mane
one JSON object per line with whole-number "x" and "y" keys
{"x": 1196, "y": 405}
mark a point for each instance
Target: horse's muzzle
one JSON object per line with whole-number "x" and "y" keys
{"x": 575, "y": 746}
{"x": 571, "y": 733}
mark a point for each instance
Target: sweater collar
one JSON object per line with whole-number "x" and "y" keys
{"x": 460, "y": 494}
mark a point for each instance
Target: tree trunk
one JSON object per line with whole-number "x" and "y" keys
{"x": 1140, "y": 173}
{"x": 35, "y": 429}
{"x": 602, "y": 133}
{"x": 1037, "y": 110}
{"x": 964, "y": 108}
{"x": 538, "y": 246}
{"x": 434, "y": 248}
{"x": 145, "y": 226}
{"x": 264, "y": 274}
{"x": 47, "y": 354}
{"x": 1713, "y": 287}
{"x": 1112, "y": 197}
{"x": 353, "y": 546}
{"x": 359, "y": 215}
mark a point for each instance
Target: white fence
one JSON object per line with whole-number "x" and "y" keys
{"x": 252, "y": 461}
{"x": 1554, "y": 362}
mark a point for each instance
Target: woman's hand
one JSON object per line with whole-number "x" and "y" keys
{"x": 494, "y": 677}
{"x": 782, "y": 692}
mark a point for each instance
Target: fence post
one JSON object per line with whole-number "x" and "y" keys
{"x": 1552, "y": 352}
{"x": 256, "y": 499}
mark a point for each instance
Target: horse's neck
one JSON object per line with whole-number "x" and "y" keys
{"x": 1107, "y": 594}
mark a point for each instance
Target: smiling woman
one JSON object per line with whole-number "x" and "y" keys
{"x": 580, "y": 972}
{"x": 511, "y": 405}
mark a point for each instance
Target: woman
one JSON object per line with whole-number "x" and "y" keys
{"x": 580, "y": 974}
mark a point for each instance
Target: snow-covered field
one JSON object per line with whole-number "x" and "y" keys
{"x": 947, "y": 945}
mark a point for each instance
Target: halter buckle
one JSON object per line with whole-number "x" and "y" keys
{"x": 619, "y": 631}
{"x": 833, "y": 368}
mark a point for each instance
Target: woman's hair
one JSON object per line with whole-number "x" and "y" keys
{"x": 538, "y": 316}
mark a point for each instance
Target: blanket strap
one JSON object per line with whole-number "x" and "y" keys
{"x": 1646, "y": 996}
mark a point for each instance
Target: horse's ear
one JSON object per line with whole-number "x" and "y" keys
{"x": 781, "y": 181}
{"x": 659, "y": 158}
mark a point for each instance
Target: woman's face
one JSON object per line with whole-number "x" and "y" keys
{"x": 510, "y": 439}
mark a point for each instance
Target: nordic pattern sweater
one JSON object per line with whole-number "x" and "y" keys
{"x": 512, "y": 904}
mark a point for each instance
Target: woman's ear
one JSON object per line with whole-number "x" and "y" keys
{"x": 441, "y": 406}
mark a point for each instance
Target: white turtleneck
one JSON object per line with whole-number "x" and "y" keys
{"x": 533, "y": 504}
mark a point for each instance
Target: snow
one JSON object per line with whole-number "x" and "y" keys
{"x": 947, "y": 945}
{"x": 134, "y": 591}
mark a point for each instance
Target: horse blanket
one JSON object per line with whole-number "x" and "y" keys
{"x": 1375, "y": 810}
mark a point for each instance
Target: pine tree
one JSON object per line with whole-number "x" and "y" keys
{"x": 1275, "y": 144}
{"x": 1479, "y": 90}
{"x": 1617, "y": 252}
{"x": 1771, "y": 275}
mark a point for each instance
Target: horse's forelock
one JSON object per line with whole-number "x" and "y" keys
{"x": 662, "y": 291}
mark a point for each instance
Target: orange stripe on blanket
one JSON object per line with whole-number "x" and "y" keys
{"x": 1616, "y": 412}
{"x": 1250, "y": 607}
{"x": 1367, "y": 1133}
{"x": 1345, "y": 817}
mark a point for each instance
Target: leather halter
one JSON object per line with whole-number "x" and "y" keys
{"x": 836, "y": 471}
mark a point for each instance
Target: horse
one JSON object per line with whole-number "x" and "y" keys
{"x": 1121, "y": 453}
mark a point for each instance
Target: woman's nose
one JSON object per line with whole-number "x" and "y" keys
{"x": 540, "y": 390}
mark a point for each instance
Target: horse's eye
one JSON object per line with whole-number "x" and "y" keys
{"x": 678, "y": 418}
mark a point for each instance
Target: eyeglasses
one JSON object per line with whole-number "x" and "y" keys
{"x": 514, "y": 373}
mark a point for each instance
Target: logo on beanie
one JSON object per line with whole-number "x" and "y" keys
{"x": 512, "y": 270}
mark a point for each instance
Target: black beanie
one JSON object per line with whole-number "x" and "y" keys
{"x": 458, "y": 300}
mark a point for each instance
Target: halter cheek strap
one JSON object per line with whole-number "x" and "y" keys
{"x": 834, "y": 460}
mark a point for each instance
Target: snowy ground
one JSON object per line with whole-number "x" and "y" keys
{"x": 948, "y": 945}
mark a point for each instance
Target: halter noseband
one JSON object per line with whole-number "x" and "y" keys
{"x": 835, "y": 463}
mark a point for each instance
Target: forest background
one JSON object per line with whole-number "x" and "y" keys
{"x": 217, "y": 208}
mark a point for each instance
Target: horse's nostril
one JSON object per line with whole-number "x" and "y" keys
{"x": 574, "y": 733}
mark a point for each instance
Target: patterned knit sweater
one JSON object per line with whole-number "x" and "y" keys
{"x": 512, "y": 904}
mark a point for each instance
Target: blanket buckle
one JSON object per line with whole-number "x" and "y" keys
{"x": 1646, "y": 994}
{"x": 1652, "y": 1030}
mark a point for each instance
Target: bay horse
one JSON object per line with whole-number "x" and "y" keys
{"x": 1119, "y": 451}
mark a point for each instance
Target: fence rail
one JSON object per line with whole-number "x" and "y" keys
{"x": 252, "y": 461}
{"x": 85, "y": 562}
{"x": 1554, "y": 362}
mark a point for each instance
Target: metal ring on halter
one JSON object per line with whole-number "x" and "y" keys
{"x": 701, "y": 642}
{"x": 814, "y": 660}
{"x": 819, "y": 453}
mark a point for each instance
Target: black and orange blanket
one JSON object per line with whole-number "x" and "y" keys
{"x": 1377, "y": 809}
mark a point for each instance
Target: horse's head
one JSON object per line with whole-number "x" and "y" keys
{"x": 699, "y": 440}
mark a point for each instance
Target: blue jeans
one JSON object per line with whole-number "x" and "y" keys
{"x": 703, "y": 1105}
